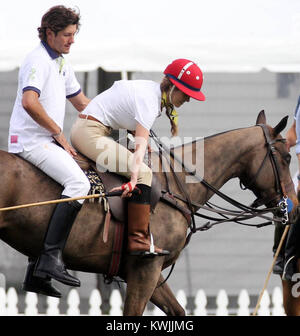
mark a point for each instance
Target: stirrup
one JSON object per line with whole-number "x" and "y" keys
{"x": 151, "y": 253}
{"x": 289, "y": 269}
{"x": 148, "y": 254}
{"x": 143, "y": 254}
{"x": 152, "y": 247}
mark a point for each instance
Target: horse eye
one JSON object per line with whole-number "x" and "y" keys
{"x": 287, "y": 158}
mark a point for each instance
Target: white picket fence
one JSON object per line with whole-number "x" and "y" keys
{"x": 270, "y": 304}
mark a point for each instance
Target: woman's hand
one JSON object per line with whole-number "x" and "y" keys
{"x": 60, "y": 138}
{"x": 141, "y": 140}
{"x": 127, "y": 187}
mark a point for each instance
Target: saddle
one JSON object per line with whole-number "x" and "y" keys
{"x": 118, "y": 209}
{"x": 117, "y": 205}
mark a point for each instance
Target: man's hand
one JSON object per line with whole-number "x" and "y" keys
{"x": 60, "y": 138}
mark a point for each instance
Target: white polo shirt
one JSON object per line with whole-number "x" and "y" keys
{"x": 50, "y": 75}
{"x": 127, "y": 103}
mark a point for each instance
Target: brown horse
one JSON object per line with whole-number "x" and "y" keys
{"x": 237, "y": 153}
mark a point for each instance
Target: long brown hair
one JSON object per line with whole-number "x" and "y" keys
{"x": 58, "y": 18}
{"x": 165, "y": 86}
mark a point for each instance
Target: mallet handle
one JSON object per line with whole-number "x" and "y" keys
{"x": 107, "y": 194}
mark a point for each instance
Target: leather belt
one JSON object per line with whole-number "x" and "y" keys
{"x": 84, "y": 116}
{"x": 88, "y": 117}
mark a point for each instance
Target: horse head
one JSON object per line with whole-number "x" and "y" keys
{"x": 267, "y": 173}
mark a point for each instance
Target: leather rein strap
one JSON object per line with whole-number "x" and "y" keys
{"x": 280, "y": 188}
{"x": 271, "y": 153}
{"x": 247, "y": 211}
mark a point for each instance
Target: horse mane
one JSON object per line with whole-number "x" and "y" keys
{"x": 211, "y": 136}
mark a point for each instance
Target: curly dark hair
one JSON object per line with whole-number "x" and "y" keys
{"x": 58, "y": 18}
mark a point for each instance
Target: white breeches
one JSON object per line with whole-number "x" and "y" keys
{"x": 55, "y": 162}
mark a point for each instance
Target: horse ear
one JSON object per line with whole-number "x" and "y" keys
{"x": 261, "y": 118}
{"x": 281, "y": 125}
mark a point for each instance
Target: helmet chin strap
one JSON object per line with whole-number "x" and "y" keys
{"x": 172, "y": 113}
{"x": 170, "y": 94}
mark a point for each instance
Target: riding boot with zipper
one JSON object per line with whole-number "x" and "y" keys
{"x": 38, "y": 285}
{"x": 140, "y": 242}
{"x": 292, "y": 250}
{"x": 50, "y": 263}
{"x": 279, "y": 263}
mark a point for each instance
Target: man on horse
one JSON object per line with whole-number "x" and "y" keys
{"x": 46, "y": 79}
{"x": 288, "y": 261}
{"x": 134, "y": 106}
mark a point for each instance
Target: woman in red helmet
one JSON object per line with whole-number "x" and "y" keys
{"x": 134, "y": 105}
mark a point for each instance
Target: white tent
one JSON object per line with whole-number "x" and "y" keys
{"x": 139, "y": 35}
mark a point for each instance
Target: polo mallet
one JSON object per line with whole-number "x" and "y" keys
{"x": 271, "y": 268}
{"x": 105, "y": 194}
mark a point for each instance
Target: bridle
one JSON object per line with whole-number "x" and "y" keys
{"x": 271, "y": 153}
{"x": 246, "y": 212}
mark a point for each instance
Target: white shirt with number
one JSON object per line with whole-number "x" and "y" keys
{"x": 127, "y": 103}
{"x": 50, "y": 75}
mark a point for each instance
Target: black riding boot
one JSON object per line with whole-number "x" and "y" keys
{"x": 279, "y": 264}
{"x": 50, "y": 263}
{"x": 38, "y": 285}
{"x": 292, "y": 250}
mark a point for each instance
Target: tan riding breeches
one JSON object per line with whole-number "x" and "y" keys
{"x": 91, "y": 138}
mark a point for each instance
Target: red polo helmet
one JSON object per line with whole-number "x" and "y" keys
{"x": 186, "y": 76}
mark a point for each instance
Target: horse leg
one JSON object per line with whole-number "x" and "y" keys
{"x": 164, "y": 299}
{"x": 291, "y": 295}
{"x": 142, "y": 275}
{"x": 291, "y": 303}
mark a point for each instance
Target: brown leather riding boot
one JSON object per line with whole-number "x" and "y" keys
{"x": 139, "y": 239}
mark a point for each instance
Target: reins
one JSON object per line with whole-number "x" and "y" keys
{"x": 238, "y": 216}
{"x": 247, "y": 212}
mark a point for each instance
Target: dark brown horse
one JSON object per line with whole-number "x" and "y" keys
{"x": 237, "y": 153}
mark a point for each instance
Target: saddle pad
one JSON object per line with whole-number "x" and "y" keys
{"x": 97, "y": 186}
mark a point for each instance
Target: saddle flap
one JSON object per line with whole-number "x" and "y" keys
{"x": 118, "y": 205}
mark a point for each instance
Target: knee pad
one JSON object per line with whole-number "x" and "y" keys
{"x": 143, "y": 197}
